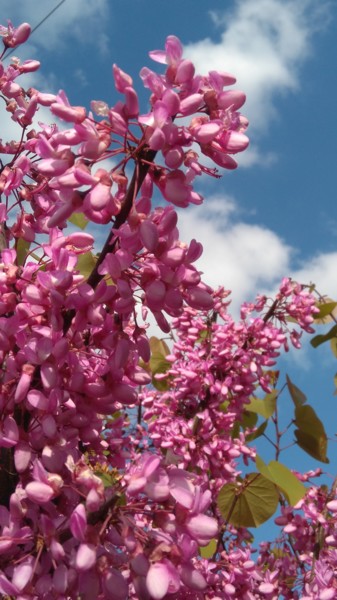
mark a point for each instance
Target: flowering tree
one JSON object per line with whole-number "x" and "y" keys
{"x": 128, "y": 466}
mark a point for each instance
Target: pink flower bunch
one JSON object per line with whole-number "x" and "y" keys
{"x": 151, "y": 261}
{"x": 308, "y": 543}
{"x": 175, "y": 523}
{"x": 62, "y": 162}
{"x": 217, "y": 365}
{"x": 71, "y": 345}
{"x": 108, "y": 487}
{"x": 14, "y": 36}
{"x": 219, "y": 133}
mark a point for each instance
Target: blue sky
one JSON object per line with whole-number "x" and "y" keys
{"x": 273, "y": 217}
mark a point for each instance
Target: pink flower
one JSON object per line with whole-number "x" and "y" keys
{"x": 39, "y": 492}
{"x": 172, "y": 53}
{"x": 162, "y": 578}
{"x": 85, "y": 557}
{"x": 13, "y": 37}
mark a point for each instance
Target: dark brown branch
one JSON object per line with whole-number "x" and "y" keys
{"x": 143, "y": 163}
{"x": 140, "y": 172}
{"x": 8, "y": 475}
{"x": 93, "y": 518}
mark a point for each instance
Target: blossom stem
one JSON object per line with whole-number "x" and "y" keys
{"x": 142, "y": 166}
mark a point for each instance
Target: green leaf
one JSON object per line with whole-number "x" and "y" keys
{"x": 249, "y": 419}
{"x": 265, "y": 407}
{"x": 85, "y": 263}
{"x": 79, "y": 220}
{"x": 291, "y": 319}
{"x": 273, "y": 377}
{"x": 235, "y": 430}
{"x": 22, "y": 249}
{"x": 296, "y": 394}
{"x": 307, "y": 421}
{"x": 326, "y": 308}
{"x": 159, "y": 351}
{"x": 310, "y": 435}
{"x": 209, "y": 550}
{"x": 285, "y": 480}
{"x": 333, "y": 346}
{"x": 107, "y": 479}
{"x": 322, "y": 338}
{"x": 121, "y": 500}
{"x": 315, "y": 447}
{"x": 202, "y": 335}
{"x": 158, "y": 363}
{"x": 248, "y": 503}
{"x": 162, "y": 385}
{"x": 256, "y": 434}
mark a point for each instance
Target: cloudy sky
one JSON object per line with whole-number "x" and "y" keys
{"x": 277, "y": 214}
{"x": 282, "y": 197}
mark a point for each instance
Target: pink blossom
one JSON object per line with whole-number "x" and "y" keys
{"x": 115, "y": 445}
{"x": 172, "y": 54}
{"x": 39, "y": 492}
{"x": 162, "y": 579}
{"x": 85, "y": 557}
{"x": 13, "y": 37}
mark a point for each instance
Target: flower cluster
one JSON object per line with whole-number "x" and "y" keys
{"x": 107, "y": 486}
{"x": 217, "y": 365}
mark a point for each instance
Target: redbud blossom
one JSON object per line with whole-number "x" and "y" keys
{"x": 114, "y": 446}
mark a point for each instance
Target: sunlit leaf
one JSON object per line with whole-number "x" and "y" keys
{"x": 108, "y": 479}
{"x": 235, "y": 430}
{"x": 79, "y": 220}
{"x": 259, "y": 431}
{"x": 273, "y": 377}
{"x": 335, "y": 382}
{"x": 85, "y": 263}
{"x": 322, "y": 338}
{"x": 22, "y": 249}
{"x": 315, "y": 447}
{"x": 296, "y": 394}
{"x": 285, "y": 480}
{"x": 121, "y": 500}
{"x": 264, "y": 407}
{"x": 306, "y": 420}
{"x": 249, "y": 419}
{"x": 327, "y": 311}
{"x": 202, "y": 335}
{"x": 291, "y": 319}
{"x": 310, "y": 435}
{"x": 158, "y": 363}
{"x": 159, "y": 351}
{"x": 333, "y": 346}
{"x": 248, "y": 503}
{"x": 162, "y": 385}
{"x": 209, "y": 550}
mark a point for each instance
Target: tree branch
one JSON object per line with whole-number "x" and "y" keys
{"x": 143, "y": 162}
{"x": 140, "y": 172}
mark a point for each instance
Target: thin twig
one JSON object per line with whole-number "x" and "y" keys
{"x": 40, "y": 23}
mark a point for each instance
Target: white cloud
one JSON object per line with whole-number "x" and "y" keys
{"x": 253, "y": 156}
{"x": 82, "y": 21}
{"x": 81, "y": 77}
{"x": 263, "y": 43}
{"x": 320, "y": 270}
{"x": 241, "y": 257}
{"x": 249, "y": 259}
